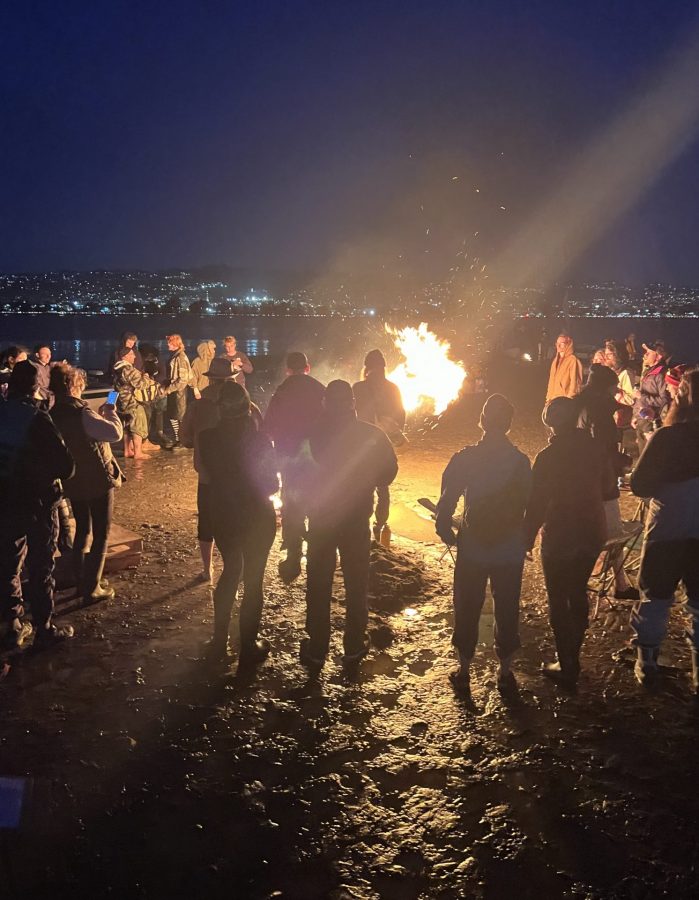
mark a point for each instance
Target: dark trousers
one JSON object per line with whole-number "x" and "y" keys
{"x": 31, "y": 537}
{"x": 663, "y": 565}
{"x": 205, "y": 528}
{"x": 294, "y": 493}
{"x": 566, "y": 581}
{"x": 91, "y": 517}
{"x": 244, "y": 554}
{"x": 352, "y": 539}
{"x": 470, "y": 581}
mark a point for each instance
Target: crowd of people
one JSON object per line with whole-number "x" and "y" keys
{"x": 334, "y": 447}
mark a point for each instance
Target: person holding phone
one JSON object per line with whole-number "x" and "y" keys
{"x": 88, "y": 436}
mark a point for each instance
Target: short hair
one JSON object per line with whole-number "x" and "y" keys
{"x": 497, "y": 414}
{"x": 41, "y": 347}
{"x": 24, "y": 379}
{"x": 64, "y": 378}
{"x": 338, "y": 394}
{"x": 124, "y": 352}
{"x": 374, "y": 360}
{"x": 296, "y": 361}
{"x": 228, "y": 338}
{"x": 177, "y": 340}
{"x": 128, "y": 336}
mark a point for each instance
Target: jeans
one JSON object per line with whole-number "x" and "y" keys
{"x": 663, "y": 565}
{"x": 29, "y": 536}
{"x": 244, "y": 553}
{"x": 566, "y": 581}
{"x": 470, "y": 580}
{"x": 91, "y": 516}
{"x": 352, "y": 539}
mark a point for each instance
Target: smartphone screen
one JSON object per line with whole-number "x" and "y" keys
{"x": 112, "y": 397}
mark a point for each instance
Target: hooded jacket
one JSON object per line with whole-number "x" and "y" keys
{"x": 206, "y": 351}
{"x": 379, "y": 401}
{"x": 565, "y": 377}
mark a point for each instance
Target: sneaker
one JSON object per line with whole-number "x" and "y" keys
{"x": 17, "y": 635}
{"x": 254, "y": 654}
{"x": 52, "y": 636}
{"x": 313, "y": 663}
{"x": 99, "y": 593}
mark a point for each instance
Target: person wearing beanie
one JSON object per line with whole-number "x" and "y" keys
{"x": 667, "y": 474}
{"x": 493, "y": 477}
{"x": 242, "y": 476}
{"x": 565, "y": 376}
{"x": 33, "y": 461}
{"x": 566, "y": 504}
{"x": 293, "y": 410}
{"x": 353, "y": 459}
{"x": 379, "y": 402}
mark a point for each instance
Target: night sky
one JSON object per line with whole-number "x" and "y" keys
{"x": 330, "y": 136}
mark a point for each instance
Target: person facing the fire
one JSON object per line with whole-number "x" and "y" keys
{"x": 379, "y": 401}
{"x": 292, "y": 412}
{"x": 353, "y": 459}
{"x": 493, "y": 477}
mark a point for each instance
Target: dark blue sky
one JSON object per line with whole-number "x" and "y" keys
{"x": 327, "y": 135}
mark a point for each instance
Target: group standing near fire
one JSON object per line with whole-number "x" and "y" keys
{"x": 333, "y": 448}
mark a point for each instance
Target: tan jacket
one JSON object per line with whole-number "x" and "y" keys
{"x": 565, "y": 378}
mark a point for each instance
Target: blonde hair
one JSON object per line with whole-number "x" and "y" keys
{"x": 176, "y": 339}
{"x": 65, "y": 379}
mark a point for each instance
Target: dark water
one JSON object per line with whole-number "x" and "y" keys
{"x": 335, "y": 347}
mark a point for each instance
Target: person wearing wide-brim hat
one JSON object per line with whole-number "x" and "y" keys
{"x": 200, "y": 415}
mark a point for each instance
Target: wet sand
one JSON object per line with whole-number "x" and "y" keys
{"x": 156, "y": 775}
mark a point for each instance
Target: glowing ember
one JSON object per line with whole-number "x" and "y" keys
{"x": 427, "y": 377}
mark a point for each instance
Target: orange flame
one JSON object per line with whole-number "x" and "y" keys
{"x": 427, "y": 377}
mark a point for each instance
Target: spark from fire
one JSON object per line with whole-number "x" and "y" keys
{"x": 427, "y": 377}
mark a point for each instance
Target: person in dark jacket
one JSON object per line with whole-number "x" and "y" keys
{"x": 242, "y": 472}
{"x": 353, "y": 458}
{"x": 566, "y": 504}
{"x": 33, "y": 460}
{"x": 129, "y": 341}
{"x": 668, "y": 474}
{"x": 651, "y": 400}
{"x": 87, "y": 435}
{"x": 597, "y": 405}
{"x": 379, "y": 402}
{"x": 293, "y": 410}
{"x": 494, "y": 479}
{"x": 8, "y": 360}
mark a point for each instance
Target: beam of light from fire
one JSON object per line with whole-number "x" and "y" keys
{"x": 427, "y": 377}
{"x": 610, "y": 176}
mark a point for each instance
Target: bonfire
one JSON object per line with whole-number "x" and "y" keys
{"x": 427, "y": 378}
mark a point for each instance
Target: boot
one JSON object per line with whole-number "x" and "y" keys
{"x": 460, "y": 678}
{"x": 164, "y": 441}
{"x": 646, "y": 668}
{"x": 506, "y": 681}
{"x": 253, "y": 654}
{"x": 695, "y": 671}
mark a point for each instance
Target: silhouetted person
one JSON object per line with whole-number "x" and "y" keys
{"x": 353, "y": 458}
{"x": 494, "y": 478}
{"x": 242, "y": 471}
{"x": 88, "y": 435}
{"x": 668, "y": 474}
{"x": 566, "y": 503}
{"x": 33, "y": 460}
{"x": 379, "y": 402}
{"x": 293, "y": 410}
